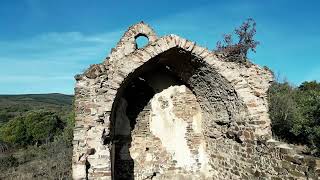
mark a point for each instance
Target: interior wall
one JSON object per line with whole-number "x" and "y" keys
{"x": 166, "y": 132}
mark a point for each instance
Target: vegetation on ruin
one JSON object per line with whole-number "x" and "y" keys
{"x": 294, "y": 111}
{"x": 238, "y": 52}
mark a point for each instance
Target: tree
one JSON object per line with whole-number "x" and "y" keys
{"x": 238, "y": 52}
{"x": 32, "y": 128}
{"x": 312, "y": 85}
{"x": 14, "y": 132}
{"x": 295, "y": 113}
{"x": 42, "y": 126}
{"x": 308, "y": 99}
{"x": 283, "y": 110}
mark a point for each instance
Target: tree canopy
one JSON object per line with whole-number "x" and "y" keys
{"x": 31, "y": 128}
{"x": 295, "y": 113}
{"x": 238, "y": 52}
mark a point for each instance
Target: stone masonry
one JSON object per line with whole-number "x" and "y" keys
{"x": 175, "y": 110}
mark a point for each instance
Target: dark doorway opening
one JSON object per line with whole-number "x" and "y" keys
{"x": 134, "y": 99}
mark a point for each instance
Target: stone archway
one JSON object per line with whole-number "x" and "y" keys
{"x": 186, "y": 101}
{"x": 121, "y": 107}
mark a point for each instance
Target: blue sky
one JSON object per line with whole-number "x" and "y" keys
{"x": 44, "y": 43}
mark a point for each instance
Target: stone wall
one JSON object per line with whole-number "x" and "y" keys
{"x": 167, "y": 141}
{"x": 175, "y": 110}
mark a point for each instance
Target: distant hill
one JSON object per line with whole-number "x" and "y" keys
{"x": 31, "y": 159}
{"x": 14, "y": 105}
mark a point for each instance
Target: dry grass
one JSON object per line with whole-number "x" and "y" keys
{"x": 51, "y": 161}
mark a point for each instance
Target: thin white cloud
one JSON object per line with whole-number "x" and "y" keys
{"x": 58, "y": 56}
{"x": 51, "y": 57}
{"x": 74, "y": 37}
{"x": 58, "y": 44}
{"x": 59, "y": 48}
{"x": 33, "y": 79}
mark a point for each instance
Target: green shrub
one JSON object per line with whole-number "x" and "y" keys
{"x": 295, "y": 113}
{"x": 32, "y": 128}
{"x": 42, "y": 126}
{"x": 39, "y": 136}
{"x": 14, "y": 132}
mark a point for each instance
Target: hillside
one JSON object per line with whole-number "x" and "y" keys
{"x": 35, "y": 136}
{"x": 14, "y": 105}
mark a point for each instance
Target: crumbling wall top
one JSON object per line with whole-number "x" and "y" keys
{"x": 127, "y": 43}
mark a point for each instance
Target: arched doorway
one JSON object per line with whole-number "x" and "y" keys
{"x": 164, "y": 114}
{"x": 142, "y": 105}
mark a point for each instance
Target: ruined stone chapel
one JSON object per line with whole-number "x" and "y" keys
{"x": 175, "y": 110}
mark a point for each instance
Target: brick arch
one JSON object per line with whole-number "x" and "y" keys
{"x": 251, "y": 93}
{"x": 190, "y": 72}
{"x": 240, "y": 148}
{"x": 221, "y": 107}
{"x": 245, "y": 102}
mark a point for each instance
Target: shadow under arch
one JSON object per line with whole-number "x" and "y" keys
{"x": 217, "y": 98}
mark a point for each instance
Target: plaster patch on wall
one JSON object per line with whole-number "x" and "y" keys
{"x": 170, "y": 129}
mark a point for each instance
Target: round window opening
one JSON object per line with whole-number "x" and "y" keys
{"x": 141, "y": 41}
